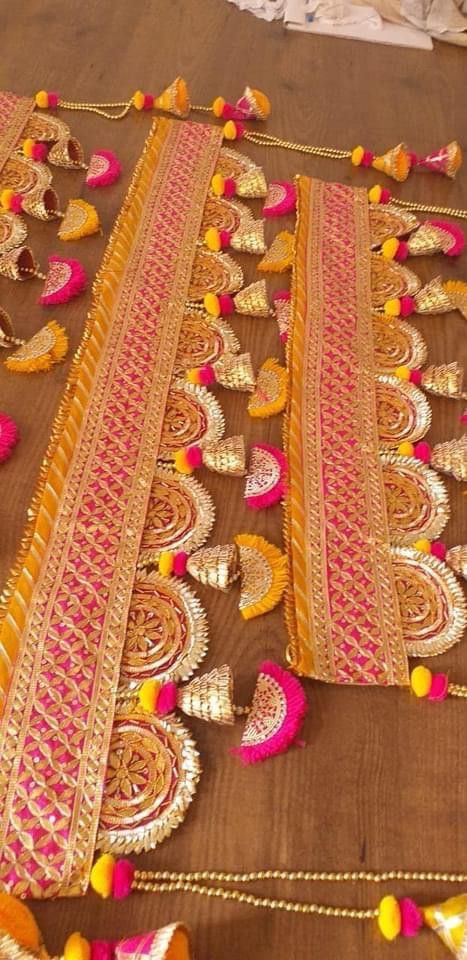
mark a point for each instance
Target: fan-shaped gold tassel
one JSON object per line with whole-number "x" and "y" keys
{"x": 280, "y": 255}
{"x": 251, "y": 184}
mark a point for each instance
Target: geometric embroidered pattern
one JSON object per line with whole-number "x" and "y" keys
{"x": 342, "y": 611}
{"x": 57, "y": 722}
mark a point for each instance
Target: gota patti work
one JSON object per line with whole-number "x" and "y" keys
{"x": 67, "y": 615}
{"x": 342, "y": 607}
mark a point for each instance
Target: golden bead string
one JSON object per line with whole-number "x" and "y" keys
{"x": 100, "y": 108}
{"x": 457, "y": 690}
{"x": 429, "y": 208}
{"x": 239, "y": 896}
{"x": 267, "y": 140}
{"x": 308, "y": 876}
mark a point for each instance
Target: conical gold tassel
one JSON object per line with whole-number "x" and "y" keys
{"x": 174, "y": 99}
{"x": 280, "y": 255}
{"x": 235, "y": 371}
{"x": 253, "y": 300}
{"x": 209, "y": 697}
{"x": 249, "y": 238}
{"x": 456, "y": 290}
{"x": 431, "y": 238}
{"x": 434, "y": 298}
{"x": 252, "y": 184}
{"x": 448, "y": 920}
{"x": 451, "y": 457}
{"x": 216, "y": 567}
{"x": 444, "y": 380}
{"x": 394, "y": 163}
{"x": 43, "y": 205}
{"x": 226, "y": 456}
{"x": 67, "y": 153}
{"x": 19, "y": 264}
{"x": 456, "y": 557}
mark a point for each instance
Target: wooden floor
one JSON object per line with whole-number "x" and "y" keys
{"x": 381, "y": 782}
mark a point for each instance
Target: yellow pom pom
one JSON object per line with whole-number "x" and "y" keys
{"x": 392, "y": 308}
{"x": 138, "y": 99}
{"x": 77, "y": 948}
{"x": 420, "y": 681}
{"x": 230, "y": 130}
{"x": 148, "y": 693}
{"x": 42, "y": 99}
{"x": 357, "y": 156}
{"x": 389, "y": 248}
{"x": 406, "y": 449}
{"x": 218, "y": 106}
{"x": 403, "y": 373}
{"x": 166, "y": 563}
{"x": 101, "y": 875}
{"x": 193, "y": 375}
{"x": 389, "y": 917}
{"x": 374, "y": 194}
{"x": 28, "y": 145}
{"x": 212, "y": 305}
{"x": 423, "y": 545}
{"x": 6, "y": 197}
{"x": 212, "y": 239}
{"x": 217, "y": 185}
{"x": 181, "y": 462}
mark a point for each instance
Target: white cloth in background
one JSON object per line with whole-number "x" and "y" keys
{"x": 343, "y": 12}
{"x": 264, "y": 9}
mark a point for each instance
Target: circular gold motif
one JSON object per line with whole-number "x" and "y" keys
{"x": 402, "y": 411}
{"x": 431, "y": 602}
{"x": 24, "y": 175}
{"x": 180, "y": 516}
{"x": 397, "y": 343}
{"x": 389, "y": 279}
{"x": 13, "y": 231}
{"x": 41, "y": 126}
{"x": 167, "y": 631}
{"x": 224, "y": 214}
{"x": 416, "y": 499}
{"x": 214, "y": 273}
{"x": 152, "y": 772}
{"x": 388, "y": 221}
{"x": 192, "y": 415}
{"x": 203, "y": 340}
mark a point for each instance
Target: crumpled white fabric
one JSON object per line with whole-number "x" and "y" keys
{"x": 435, "y": 16}
{"x": 343, "y": 12}
{"x": 264, "y": 9}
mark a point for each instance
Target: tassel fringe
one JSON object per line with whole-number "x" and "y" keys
{"x": 263, "y": 575}
{"x": 9, "y": 436}
{"x": 266, "y": 481}
{"x": 45, "y": 348}
{"x": 276, "y": 717}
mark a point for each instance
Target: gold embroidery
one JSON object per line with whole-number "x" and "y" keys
{"x": 225, "y": 214}
{"x": 390, "y": 279}
{"x": 432, "y": 606}
{"x": 180, "y": 516}
{"x": 403, "y": 411}
{"x": 214, "y": 273}
{"x": 397, "y": 343}
{"x": 417, "y": 503}
{"x": 13, "y": 231}
{"x": 388, "y": 220}
{"x": 192, "y": 415}
{"x": 203, "y": 339}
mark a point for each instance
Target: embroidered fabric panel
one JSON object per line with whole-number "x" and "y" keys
{"x": 343, "y": 619}
{"x": 56, "y": 727}
{"x": 14, "y": 114}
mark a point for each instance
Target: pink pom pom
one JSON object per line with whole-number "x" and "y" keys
{"x": 240, "y": 129}
{"x": 167, "y": 699}
{"x": 416, "y": 377}
{"x": 463, "y": 417}
{"x": 407, "y": 306}
{"x": 148, "y": 102}
{"x": 16, "y": 205}
{"x": 226, "y": 304}
{"x": 439, "y": 549}
{"x": 194, "y": 457}
{"x": 411, "y": 917}
{"x": 413, "y": 159}
{"x": 458, "y": 239}
{"x": 122, "y": 879}
{"x": 179, "y": 563}
{"x": 225, "y": 238}
{"x": 231, "y": 112}
{"x": 439, "y": 687}
{"x": 207, "y": 375}
{"x": 422, "y": 451}
{"x": 102, "y": 950}
{"x": 283, "y": 337}
{"x": 39, "y": 152}
{"x": 385, "y": 195}
{"x": 9, "y": 436}
{"x": 367, "y": 158}
{"x": 402, "y": 251}
{"x": 230, "y": 187}
{"x": 53, "y": 99}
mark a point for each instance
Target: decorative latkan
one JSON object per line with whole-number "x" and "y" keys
{"x": 252, "y": 301}
{"x": 45, "y": 348}
{"x": 227, "y": 457}
{"x": 247, "y": 238}
{"x": 266, "y": 482}
{"x": 270, "y": 395}
{"x": 233, "y": 371}
{"x": 280, "y": 255}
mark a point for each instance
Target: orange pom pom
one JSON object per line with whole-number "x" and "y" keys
{"x": 181, "y": 462}
{"x": 212, "y": 304}
{"x": 28, "y": 146}
{"x": 193, "y": 375}
{"x": 6, "y": 197}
